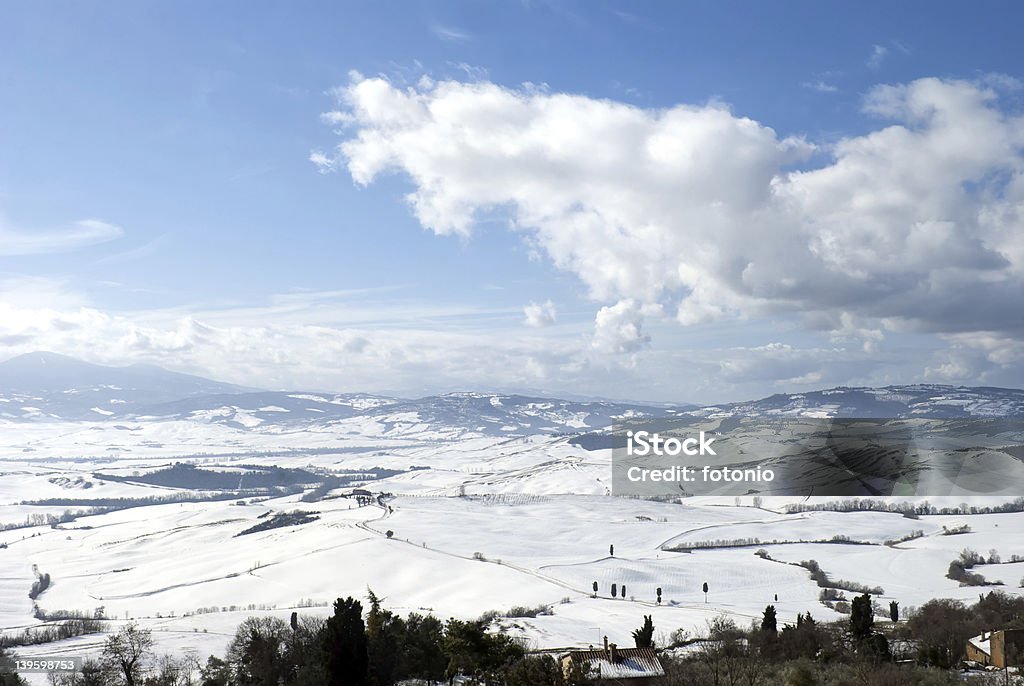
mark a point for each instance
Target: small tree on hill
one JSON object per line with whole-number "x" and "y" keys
{"x": 644, "y": 636}
{"x": 894, "y": 611}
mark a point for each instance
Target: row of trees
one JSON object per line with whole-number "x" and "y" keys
{"x": 379, "y": 648}
{"x": 857, "y": 651}
{"x": 935, "y": 635}
{"x": 342, "y": 650}
{"x": 912, "y": 510}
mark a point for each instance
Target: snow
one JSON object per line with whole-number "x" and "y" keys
{"x": 485, "y": 522}
{"x": 625, "y": 668}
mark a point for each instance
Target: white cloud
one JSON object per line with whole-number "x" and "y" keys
{"x": 347, "y": 341}
{"x": 450, "y": 33}
{"x": 878, "y": 54}
{"x": 820, "y": 86}
{"x": 79, "y": 234}
{"x": 540, "y": 315}
{"x": 916, "y": 225}
{"x": 473, "y": 72}
{"x": 619, "y": 328}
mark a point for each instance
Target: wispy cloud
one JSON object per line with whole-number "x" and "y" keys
{"x": 472, "y": 72}
{"x": 132, "y": 254}
{"x": 636, "y": 20}
{"x": 450, "y": 33}
{"x": 820, "y": 86}
{"x": 878, "y": 54}
{"x": 79, "y": 234}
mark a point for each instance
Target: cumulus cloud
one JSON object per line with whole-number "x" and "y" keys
{"x": 619, "y": 328}
{"x": 915, "y": 225}
{"x": 540, "y": 315}
{"x": 20, "y": 241}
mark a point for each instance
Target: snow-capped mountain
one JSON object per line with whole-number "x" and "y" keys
{"x": 43, "y": 385}
{"x": 930, "y": 401}
{"x": 51, "y": 387}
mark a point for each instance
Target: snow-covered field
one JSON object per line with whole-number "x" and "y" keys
{"x": 484, "y": 522}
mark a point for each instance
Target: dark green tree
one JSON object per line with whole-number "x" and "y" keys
{"x": 644, "y": 636}
{"x": 385, "y": 636}
{"x": 862, "y": 617}
{"x": 877, "y": 647}
{"x": 217, "y": 672}
{"x": 894, "y": 611}
{"x": 344, "y": 645}
{"x": 769, "y": 622}
{"x": 800, "y": 641}
{"x": 423, "y": 651}
{"x": 471, "y": 651}
{"x": 532, "y": 670}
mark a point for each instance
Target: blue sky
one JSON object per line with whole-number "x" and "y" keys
{"x": 158, "y": 200}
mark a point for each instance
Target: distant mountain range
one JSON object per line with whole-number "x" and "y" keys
{"x": 44, "y": 385}
{"x": 50, "y": 387}
{"x": 914, "y": 400}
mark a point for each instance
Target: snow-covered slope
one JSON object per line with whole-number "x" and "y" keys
{"x": 918, "y": 400}
{"x": 491, "y": 501}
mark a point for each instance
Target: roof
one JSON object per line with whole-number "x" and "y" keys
{"x": 630, "y": 663}
{"x": 984, "y": 646}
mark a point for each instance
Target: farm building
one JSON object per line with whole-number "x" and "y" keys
{"x": 997, "y": 648}
{"x": 634, "y": 666}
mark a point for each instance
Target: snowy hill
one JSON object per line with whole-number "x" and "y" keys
{"x": 931, "y": 401}
{"x": 48, "y": 387}
{"x": 44, "y": 385}
{"x": 480, "y": 502}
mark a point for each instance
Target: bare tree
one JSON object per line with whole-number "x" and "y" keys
{"x": 128, "y": 651}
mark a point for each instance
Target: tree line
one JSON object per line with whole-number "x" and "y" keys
{"x": 379, "y": 648}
